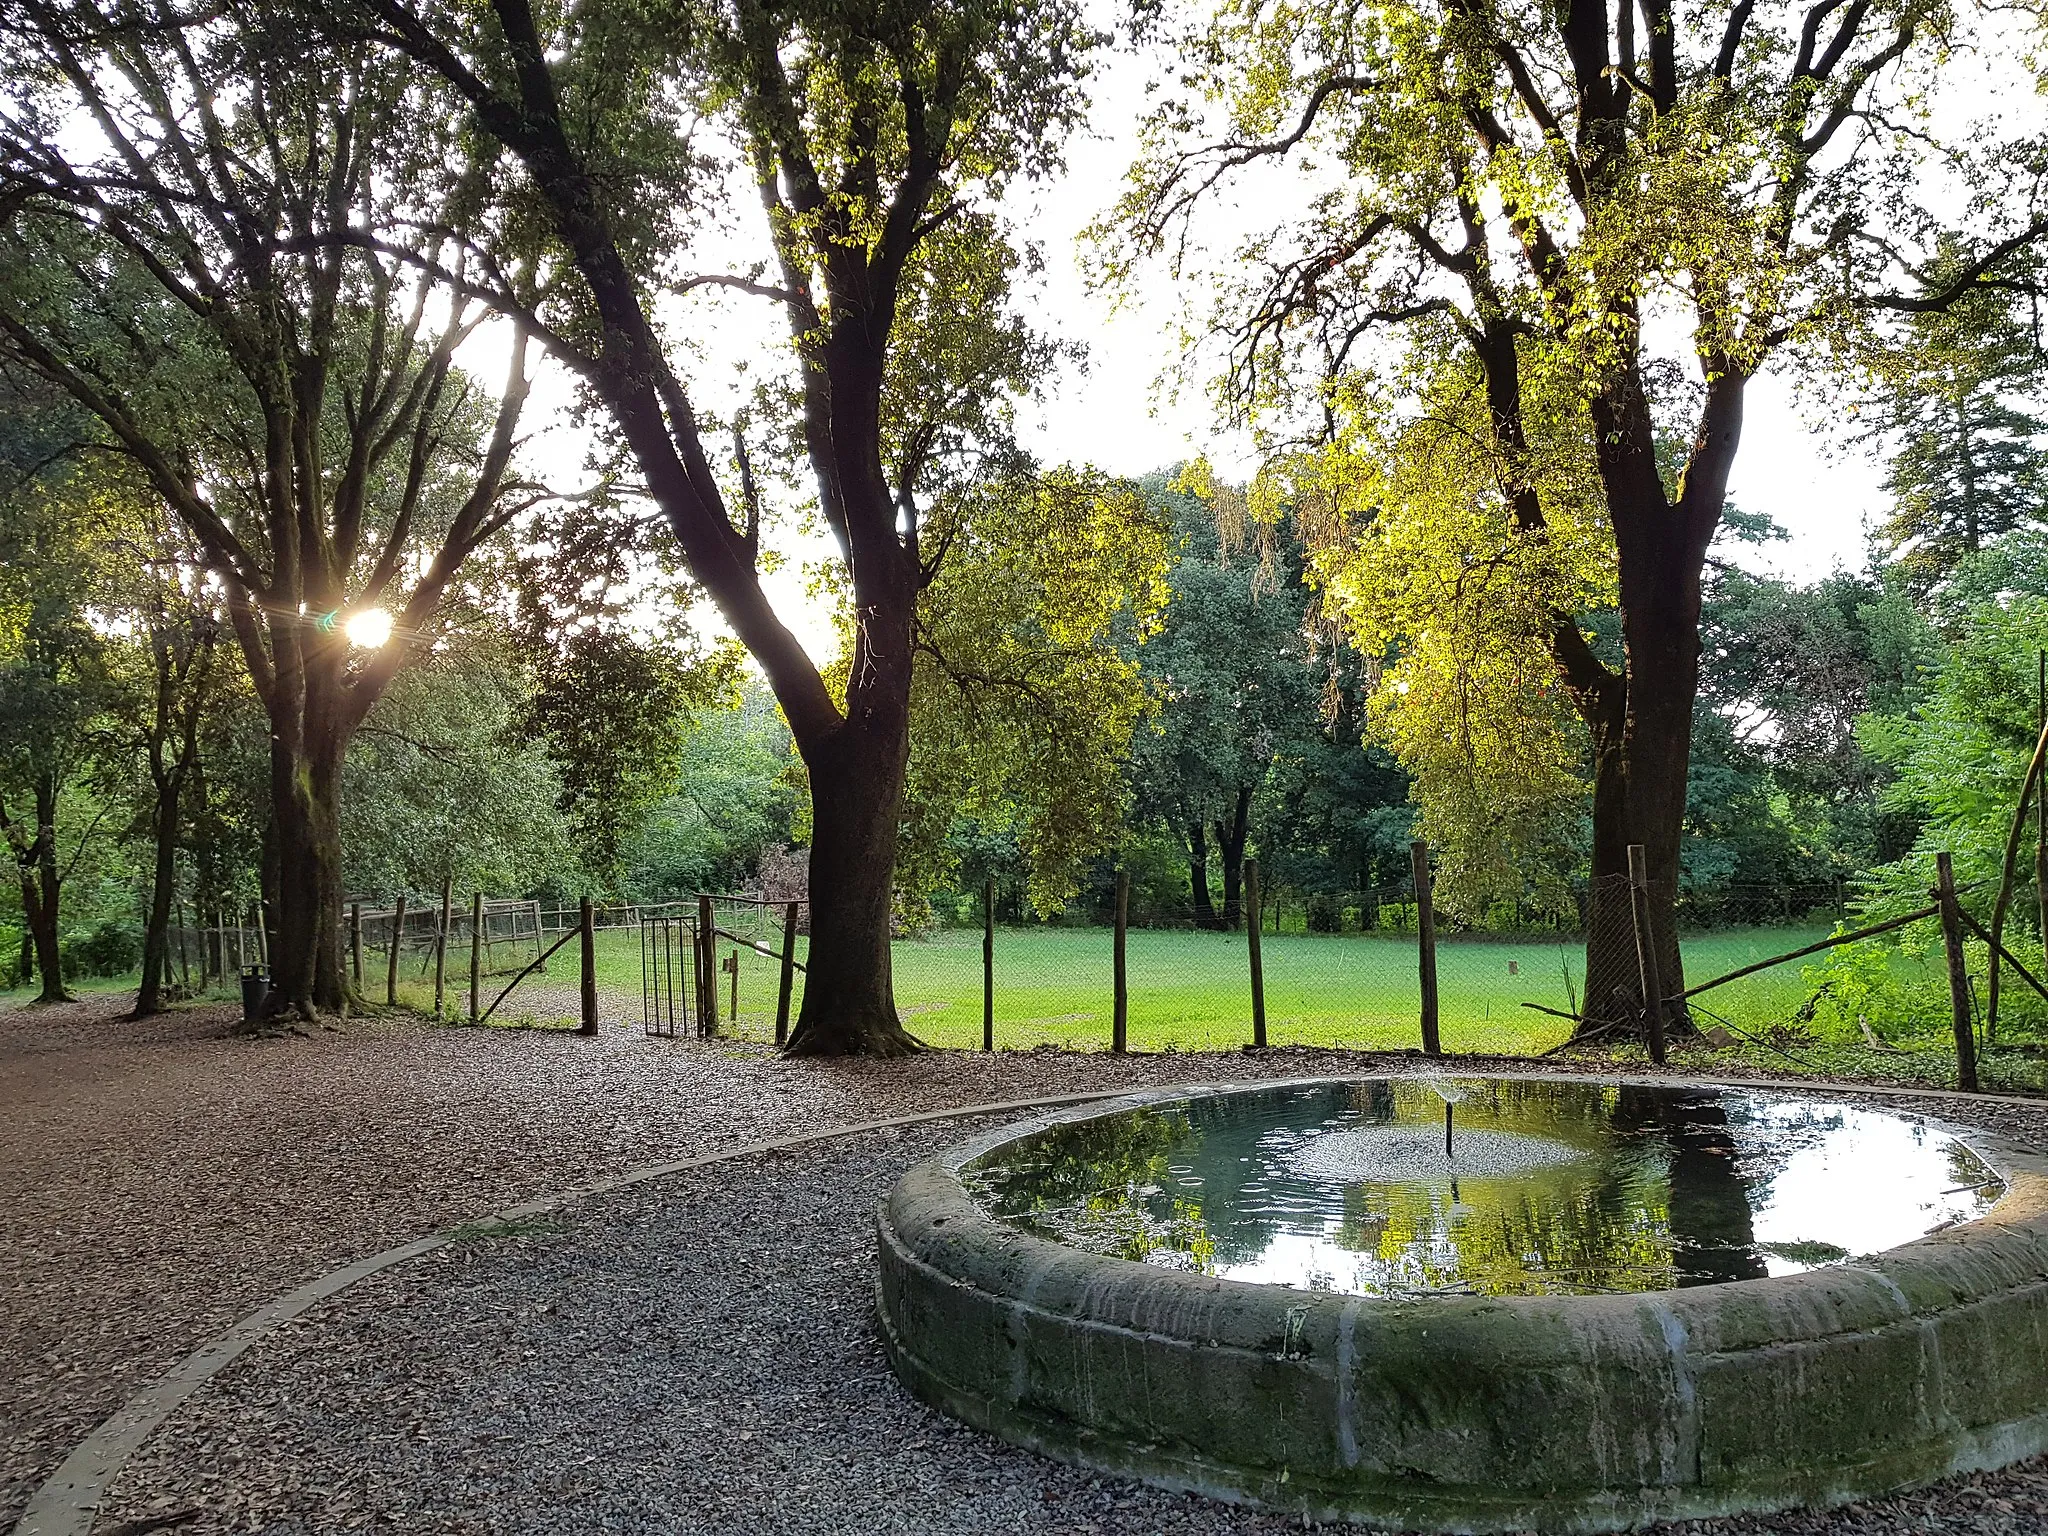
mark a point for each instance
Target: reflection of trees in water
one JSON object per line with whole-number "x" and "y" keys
{"x": 1768, "y": 1133}
{"x": 1712, "y": 1227}
{"x": 1102, "y": 1185}
{"x": 1966, "y": 1170}
{"x": 1656, "y": 1200}
{"x": 1539, "y": 1232}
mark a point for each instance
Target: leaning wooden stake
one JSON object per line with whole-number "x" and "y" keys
{"x": 1120, "y": 978}
{"x": 988, "y": 965}
{"x": 1958, "y": 972}
{"x": 397, "y": 939}
{"x": 782, "y": 996}
{"x": 476, "y": 953}
{"x": 2010, "y": 868}
{"x": 355, "y": 943}
{"x": 1646, "y": 948}
{"x": 587, "y": 922}
{"x": 1251, "y": 930}
{"x": 2041, "y": 805}
{"x": 1425, "y": 931}
{"x": 441, "y": 943}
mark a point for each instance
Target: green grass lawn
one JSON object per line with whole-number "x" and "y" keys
{"x": 1193, "y": 990}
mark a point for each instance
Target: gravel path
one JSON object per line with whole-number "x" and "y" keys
{"x": 160, "y": 1179}
{"x": 695, "y": 1355}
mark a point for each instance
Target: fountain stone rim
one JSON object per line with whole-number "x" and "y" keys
{"x": 1566, "y": 1413}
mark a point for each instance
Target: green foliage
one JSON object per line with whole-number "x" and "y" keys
{"x": 1958, "y": 756}
{"x": 1967, "y": 464}
{"x": 1231, "y": 666}
{"x": 107, "y": 949}
{"x": 1026, "y": 690}
{"x": 1421, "y": 556}
{"x": 615, "y": 710}
{"x": 444, "y": 781}
{"x": 1779, "y": 793}
{"x": 735, "y": 795}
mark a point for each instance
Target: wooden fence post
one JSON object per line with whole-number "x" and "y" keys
{"x": 1425, "y": 933}
{"x": 441, "y": 941}
{"x": 476, "y": 951}
{"x": 988, "y": 965}
{"x": 1958, "y": 973}
{"x": 1120, "y": 998}
{"x": 1647, "y": 969}
{"x": 789, "y": 922}
{"x": 355, "y": 942}
{"x": 397, "y": 940}
{"x": 1251, "y": 930}
{"x": 262, "y": 915}
{"x": 707, "y": 967}
{"x": 589, "y": 948}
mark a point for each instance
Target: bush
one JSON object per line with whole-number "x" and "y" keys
{"x": 111, "y": 949}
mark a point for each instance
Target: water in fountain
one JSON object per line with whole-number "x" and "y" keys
{"x": 1547, "y": 1186}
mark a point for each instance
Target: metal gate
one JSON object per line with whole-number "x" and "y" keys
{"x": 671, "y": 963}
{"x": 685, "y": 949}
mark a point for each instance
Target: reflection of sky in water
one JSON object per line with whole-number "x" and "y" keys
{"x": 1868, "y": 1180}
{"x": 1560, "y": 1187}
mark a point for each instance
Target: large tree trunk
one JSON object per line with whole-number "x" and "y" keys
{"x": 857, "y": 775}
{"x": 1230, "y": 840}
{"x": 307, "y": 975}
{"x": 156, "y": 934}
{"x": 1640, "y": 771}
{"x": 1198, "y": 874}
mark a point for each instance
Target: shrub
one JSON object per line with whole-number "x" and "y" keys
{"x": 110, "y": 949}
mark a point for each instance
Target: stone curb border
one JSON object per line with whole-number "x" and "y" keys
{"x": 68, "y": 1501}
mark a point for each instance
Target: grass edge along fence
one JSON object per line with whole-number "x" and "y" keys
{"x": 691, "y": 954}
{"x": 1645, "y": 1027}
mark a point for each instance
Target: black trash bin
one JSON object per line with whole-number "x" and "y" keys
{"x": 255, "y": 988}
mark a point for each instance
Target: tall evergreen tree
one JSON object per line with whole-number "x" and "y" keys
{"x": 1969, "y": 462}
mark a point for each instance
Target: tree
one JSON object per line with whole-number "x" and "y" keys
{"x": 1967, "y": 463}
{"x": 56, "y": 524}
{"x": 264, "y": 320}
{"x": 1028, "y": 690}
{"x": 733, "y": 800}
{"x": 875, "y": 142}
{"x": 615, "y": 711}
{"x": 1781, "y": 792}
{"x": 168, "y": 694}
{"x": 1230, "y": 670}
{"x": 444, "y": 779}
{"x": 1510, "y": 195}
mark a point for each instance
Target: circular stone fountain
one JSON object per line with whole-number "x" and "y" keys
{"x": 1483, "y": 1305}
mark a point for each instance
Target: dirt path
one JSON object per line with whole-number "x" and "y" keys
{"x": 160, "y": 1179}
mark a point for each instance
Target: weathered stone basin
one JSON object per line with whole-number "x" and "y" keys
{"x": 1533, "y": 1368}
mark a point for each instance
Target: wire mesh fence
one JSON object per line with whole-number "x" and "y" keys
{"x": 1344, "y": 969}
